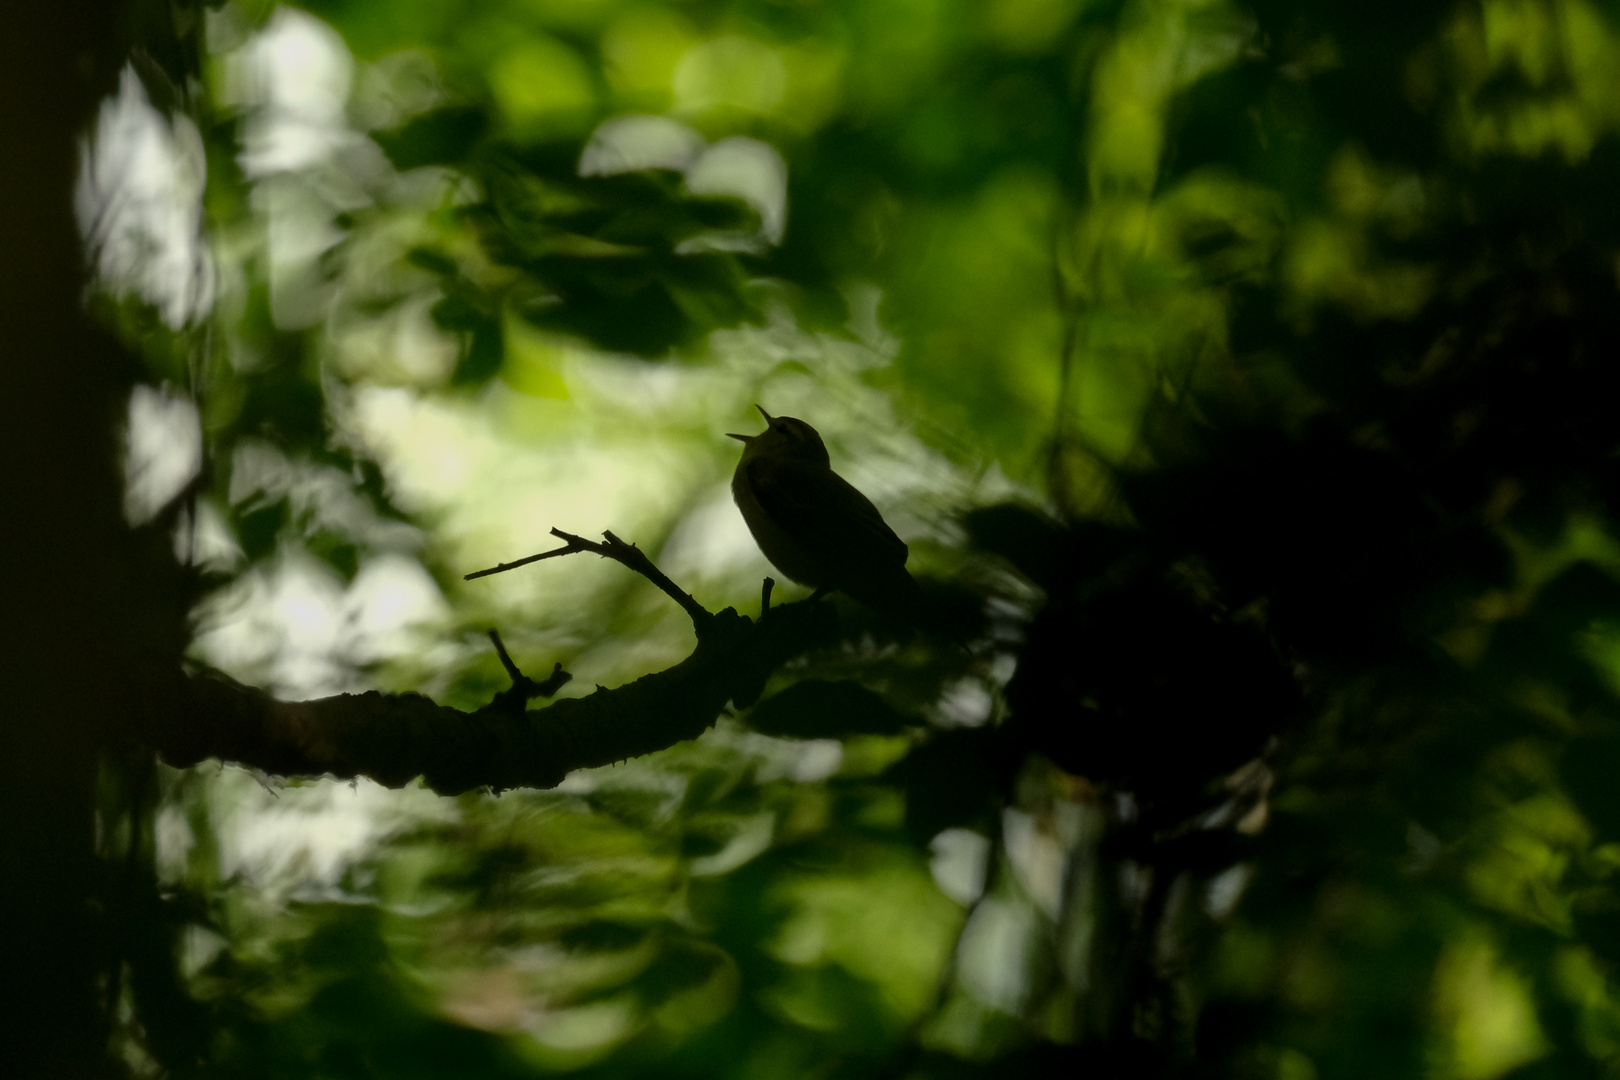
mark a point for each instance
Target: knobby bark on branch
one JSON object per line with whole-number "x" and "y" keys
{"x": 394, "y": 738}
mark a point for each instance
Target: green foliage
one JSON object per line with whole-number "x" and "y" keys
{"x": 818, "y": 708}
{"x": 1286, "y": 741}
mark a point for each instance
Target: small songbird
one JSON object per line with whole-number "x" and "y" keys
{"x": 813, "y": 525}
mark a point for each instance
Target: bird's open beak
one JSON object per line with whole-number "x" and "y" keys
{"x": 750, "y": 438}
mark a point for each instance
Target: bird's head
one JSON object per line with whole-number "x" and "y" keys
{"x": 786, "y": 436}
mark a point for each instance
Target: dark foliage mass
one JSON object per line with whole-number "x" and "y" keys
{"x": 1264, "y": 720}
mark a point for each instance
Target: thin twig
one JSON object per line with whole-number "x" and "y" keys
{"x": 553, "y": 682}
{"x": 506, "y": 658}
{"x": 620, "y": 552}
{"x": 523, "y": 688}
{"x": 765, "y": 597}
{"x": 567, "y": 549}
{"x": 633, "y": 557}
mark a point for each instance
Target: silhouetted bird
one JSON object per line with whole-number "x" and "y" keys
{"x": 813, "y": 525}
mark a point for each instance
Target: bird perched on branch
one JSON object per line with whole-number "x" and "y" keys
{"x": 813, "y": 525}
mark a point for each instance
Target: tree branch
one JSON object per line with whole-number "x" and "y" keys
{"x": 394, "y": 738}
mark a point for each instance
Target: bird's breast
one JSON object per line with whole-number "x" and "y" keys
{"x": 787, "y": 553}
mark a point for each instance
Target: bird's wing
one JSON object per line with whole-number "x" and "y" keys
{"x": 820, "y": 508}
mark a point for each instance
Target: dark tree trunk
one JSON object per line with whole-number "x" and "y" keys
{"x": 66, "y": 611}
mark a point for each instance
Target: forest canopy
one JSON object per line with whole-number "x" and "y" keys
{"x": 1241, "y": 376}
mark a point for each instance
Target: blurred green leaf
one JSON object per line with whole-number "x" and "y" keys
{"x": 823, "y": 709}
{"x": 442, "y": 137}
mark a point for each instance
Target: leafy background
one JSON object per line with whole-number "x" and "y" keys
{"x": 1246, "y": 367}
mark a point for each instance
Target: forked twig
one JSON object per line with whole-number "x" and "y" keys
{"x": 524, "y": 688}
